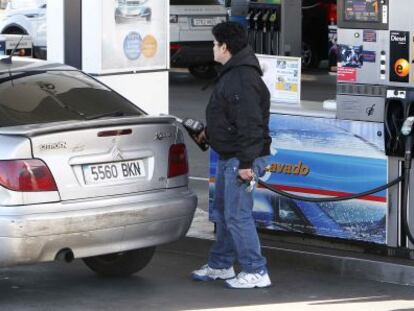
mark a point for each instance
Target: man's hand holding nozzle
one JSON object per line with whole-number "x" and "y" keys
{"x": 201, "y": 137}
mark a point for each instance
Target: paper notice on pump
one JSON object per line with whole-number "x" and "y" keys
{"x": 282, "y": 76}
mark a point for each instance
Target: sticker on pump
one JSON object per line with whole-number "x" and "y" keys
{"x": 369, "y": 36}
{"x": 369, "y": 56}
{"x": 399, "y": 55}
{"x": 149, "y": 46}
{"x": 350, "y": 56}
{"x": 132, "y": 45}
{"x": 346, "y": 74}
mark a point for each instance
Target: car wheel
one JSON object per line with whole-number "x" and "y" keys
{"x": 205, "y": 71}
{"x": 14, "y": 30}
{"x": 310, "y": 58}
{"x": 120, "y": 264}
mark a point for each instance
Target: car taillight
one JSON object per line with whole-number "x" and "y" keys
{"x": 332, "y": 15}
{"x": 177, "y": 161}
{"x": 26, "y": 176}
{"x": 175, "y": 47}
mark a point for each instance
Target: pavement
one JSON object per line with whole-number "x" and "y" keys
{"x": 166, "y": 285}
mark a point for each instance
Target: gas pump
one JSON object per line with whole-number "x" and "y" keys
{"x": 274, "y": 35}
{"x": 249, "y": 23}
{"x": 271, "y": 26}
{"x": 264, "y": 39}
{"x": 257, "y": 28}
{"x": 342, "y": 174}
{"x": 375, "y": 84}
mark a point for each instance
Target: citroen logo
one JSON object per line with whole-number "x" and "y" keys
{"x": 116, "y": 154}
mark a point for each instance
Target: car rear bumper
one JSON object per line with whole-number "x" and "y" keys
{"x": 96, "y": 227}
{"x": 192, "y": 54}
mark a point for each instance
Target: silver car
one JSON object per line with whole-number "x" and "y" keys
{"x": 84, "y": 173}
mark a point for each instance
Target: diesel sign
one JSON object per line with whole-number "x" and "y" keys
{"x": 395, "y": 38}
{"x": 399, "y": 55}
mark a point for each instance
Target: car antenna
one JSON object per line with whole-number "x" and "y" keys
{"x": 8, "y": 60}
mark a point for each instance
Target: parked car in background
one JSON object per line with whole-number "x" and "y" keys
{"x": 84, "y": 173}
{"x": 27, "y": 17}
{"x": 191, "y": 40}
{"x": 316, "y": 16}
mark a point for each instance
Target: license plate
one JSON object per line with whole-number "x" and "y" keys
{"x": 113, "y": 171}
{"x": 200, "y": 22}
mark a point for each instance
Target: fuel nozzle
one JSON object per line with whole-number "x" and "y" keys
{"x": 274, "y": 36}
{"x": 273, "y": 18}
{"x": 265, "y": 19}
{"x": 407, "y": 126}
{"x": 194, "y": 129}
{"x": 249, "y": 15}
{"x": 407, "y": 130}
{"x": 257, "y": 16}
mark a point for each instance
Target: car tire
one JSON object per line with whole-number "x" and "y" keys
{"x": 310, "y": 57}
{"x": 120, "y": 264}
{"x": 14, "y": 30}
{"x": 205, "y": 71}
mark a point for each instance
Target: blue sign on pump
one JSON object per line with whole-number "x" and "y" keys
{"x": 2, "y": 47}
{"x": 132, "y": 45}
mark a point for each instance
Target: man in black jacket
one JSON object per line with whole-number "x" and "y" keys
{"x": 237, "y": 129}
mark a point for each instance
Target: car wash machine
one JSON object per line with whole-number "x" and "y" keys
{"x": 375, "y": 84}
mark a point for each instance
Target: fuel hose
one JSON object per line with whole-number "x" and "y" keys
{"x": 330, "y": 199}
{"x": 404, "y": 199}
{"x": 406, "y": 186}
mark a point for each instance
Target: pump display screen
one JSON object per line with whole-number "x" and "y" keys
{"x": 367, "y": 11}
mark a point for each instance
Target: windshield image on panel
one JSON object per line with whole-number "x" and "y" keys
{"x": 132, "y": 10}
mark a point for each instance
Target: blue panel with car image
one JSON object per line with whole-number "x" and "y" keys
{"x": 323, "y": 157}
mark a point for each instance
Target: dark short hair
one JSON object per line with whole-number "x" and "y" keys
{"x": 232, "y": 34}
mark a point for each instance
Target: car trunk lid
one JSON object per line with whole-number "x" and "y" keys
{"x": 103, "y": 157}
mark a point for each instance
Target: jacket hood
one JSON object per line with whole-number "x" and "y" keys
{"x": 245, "y": 57}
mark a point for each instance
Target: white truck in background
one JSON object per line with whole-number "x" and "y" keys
{"x": 191, "y": 41}
{"x": 27, "y": 17}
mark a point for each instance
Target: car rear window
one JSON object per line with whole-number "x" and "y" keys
{"x": 33, "y": 97}
{"x": 192, "y": 2}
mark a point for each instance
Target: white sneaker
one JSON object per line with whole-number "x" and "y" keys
{"x": 205, "y": 273}
{"x": 250, "y": 280}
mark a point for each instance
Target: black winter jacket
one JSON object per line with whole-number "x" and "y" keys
{"x": 238, "y": 112}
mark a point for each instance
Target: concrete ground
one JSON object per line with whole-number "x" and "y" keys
{"x": 166, "y": 285}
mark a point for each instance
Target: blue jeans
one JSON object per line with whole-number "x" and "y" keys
{"x": 236, "y": 235}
